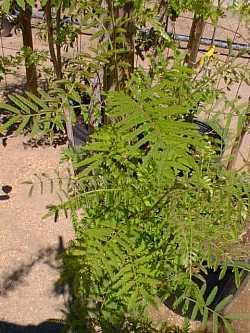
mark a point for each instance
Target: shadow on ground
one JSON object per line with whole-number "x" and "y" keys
{"x": 45, "y": 327}
{"x": 49, "y": 256}
{"x": 12, "y": 280}
{"x": 12, "y": 88}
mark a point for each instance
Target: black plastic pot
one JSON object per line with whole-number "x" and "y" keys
{"x": 7, "y": 27}
{"x": 80, "y": 129}
{"x": 205, "y": 129}
{"x": 226, "y": 287}
{"x": 80, "y": 133}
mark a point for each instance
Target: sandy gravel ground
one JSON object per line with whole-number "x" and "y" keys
{"x": 28, "y": 244}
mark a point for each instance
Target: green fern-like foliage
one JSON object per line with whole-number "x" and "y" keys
{"x": 152, "y": 210}
{"x": 40, "y": 116}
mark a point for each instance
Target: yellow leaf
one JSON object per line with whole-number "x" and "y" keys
{"x": 210, "y": 52}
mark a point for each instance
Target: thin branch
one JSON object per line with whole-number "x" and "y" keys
{"x": 50, "y": 31}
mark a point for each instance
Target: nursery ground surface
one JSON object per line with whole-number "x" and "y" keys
{"x": 29, "y": 244}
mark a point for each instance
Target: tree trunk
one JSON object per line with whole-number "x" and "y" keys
{"x": 25, "y": 21}
{"x": 58, "y": 45}
{"x": 51, "y": 43}
{"x": 111, "y": 72}
{"x": 196, "y": 32}
{"x": 56, "y": 59}
{"x": 69, "y": 127}
{"x": 116, "y": 77}
{"x": 237, "y": 145}
{"x": 130, "y": 35}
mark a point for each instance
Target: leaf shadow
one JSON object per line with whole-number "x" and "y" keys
{"x": 44, "y": 327}
{"x": 49, "y": 256}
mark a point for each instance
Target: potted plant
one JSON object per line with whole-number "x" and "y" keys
{"x": 146, "y": 230}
